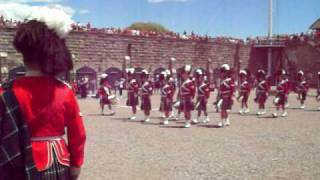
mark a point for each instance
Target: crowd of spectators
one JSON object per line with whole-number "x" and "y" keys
{"x": 313, "y": 35}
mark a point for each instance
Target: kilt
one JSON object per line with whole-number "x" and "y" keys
{"x": 145, "y": 103}
{"x": 303, "y": 95}
{"x": 132, "y": 99}
{"x": 104, "y": 100}
{"x": 245, "y": 97}
{"x": 56, "y": 172}
{"x": 201, "y": 104}
{"x": 261, "y": 98}
{"x": 165, "y": 104}
{"x": 226, "y": 104}
{"x": 186, "y": 104}
{"x": 281, "y": 99}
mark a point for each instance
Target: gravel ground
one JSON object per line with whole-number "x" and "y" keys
{"x": 251, "y": 148}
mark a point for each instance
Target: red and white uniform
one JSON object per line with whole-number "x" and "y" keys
{"x": 187, "y": 93}
{"x": 302, "y": 87}
{"x": 133, "y": 90}
{"x": 167, "y": 92}
{"x": 48, "y": 107}
{"x": 204, "y": 90}
{"x": 203, "y": 96}
{"x": 283, "y": 89}
{"x": 227, "y": 88}
{"x": 104, "y": 92}
{"x": 146, "y": 92}
{"x": 244, "y": 90}
{"x": 147, "y": 88}
{"x": 262, "y": 91}
{"x": 226, "y": 91}
{"x": 187, "y": 89}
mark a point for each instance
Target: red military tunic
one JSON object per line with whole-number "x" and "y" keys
{"x": 283, "y": 90}
{"x": 146, "y": 92}
{"x": 167, "y": 92}
{"x": 262, "y": 91}
{"x": 133, "y": 90}
{"x": 104, "y": 92}
{"x": 245, "y": 90}
{"x": 203, "y": 96}
{"x": 302, "y": 89}
{"x": 226, "y": 91}
{"x": 187, "y": 93}
{"x": 48, "y": 106}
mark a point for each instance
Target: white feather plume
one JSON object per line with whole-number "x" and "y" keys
{"x": 127, "y": 58}
{"x": 56, "y": 17}
{"x": 187, "y": 68}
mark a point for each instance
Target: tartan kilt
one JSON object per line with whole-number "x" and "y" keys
{"x": 145, "y": 103}
{"x": 57, "y": 171}
{"x": 132, "y": 99}
{"x": 245, "y": 97}
{"x": 226, "y": 104}
{"x": 186, "y": 104}
{"x": 281, "y": 99}
{"x": 303, "y": 95}
{"x": 165, "y": 104}
{"x": 201, "y": 104}
{"x": 104, "y": 100}
{"x": 261, "y": 98}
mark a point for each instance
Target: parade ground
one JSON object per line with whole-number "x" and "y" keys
{"x": 251, "y": 148}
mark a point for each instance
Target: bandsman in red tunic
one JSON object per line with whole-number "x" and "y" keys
{"x": 226, "y": 93}
{"x": 282, "y": 94}
{"x": 167, "y": 92}
{"x": 262, "y": 91}
{"x": 203, "y": 94}
{"x": 133, "y": 90}
{"x": 162, "y": 82}
{"x": 47, "y": 104}
{"x": 145, "y": 93}
{"x": 105, "y": 94}
{"x": 173, "y": 85}
{"x": 318, "y": 90}
{"x": 187, "y": 92}
{"x": 302, "y": 88}
{"x": 244, "y": 92}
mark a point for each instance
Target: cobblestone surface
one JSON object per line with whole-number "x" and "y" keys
{"x": 251, "y": 148}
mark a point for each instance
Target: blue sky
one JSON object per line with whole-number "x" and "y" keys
{"x": 237, "y": 18}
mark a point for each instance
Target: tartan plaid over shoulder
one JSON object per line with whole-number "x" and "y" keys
{"x": 16, "y": 161}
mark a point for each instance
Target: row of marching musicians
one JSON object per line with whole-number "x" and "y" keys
{"x": 199, "y": 87}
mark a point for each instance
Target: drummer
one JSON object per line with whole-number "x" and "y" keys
{"x": 105, "y": 94}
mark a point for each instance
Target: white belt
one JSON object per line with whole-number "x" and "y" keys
{"x": 50, "y": 138}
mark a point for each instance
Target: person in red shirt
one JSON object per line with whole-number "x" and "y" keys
{"x": 244, "y": 92}
{"x": 167, "y": 92}
{"x": 203, "y": 94}
{"x": 145, "y": 93}
{"x": 105, "y": 94}
{"x": 187, "y": 92}
{"x": 302, "y": 88}
{"x": 262, "y": 91}
{"x": 226, "y": 93}
{"x": 281, "y": 96}
{"x": 48, "y": 104}
{"x": 133, "y": 90}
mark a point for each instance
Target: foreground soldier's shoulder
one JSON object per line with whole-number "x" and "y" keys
{"x": 63, "y": 82}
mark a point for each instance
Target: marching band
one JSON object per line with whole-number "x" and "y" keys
{"x": 194, "y": 92}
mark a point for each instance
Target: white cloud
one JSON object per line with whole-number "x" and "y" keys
{"x": 160, "y": 1}
{"x": 83, "y": 11}
{"x": 56, "y": 16}
{"x": 21, "y": 11}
